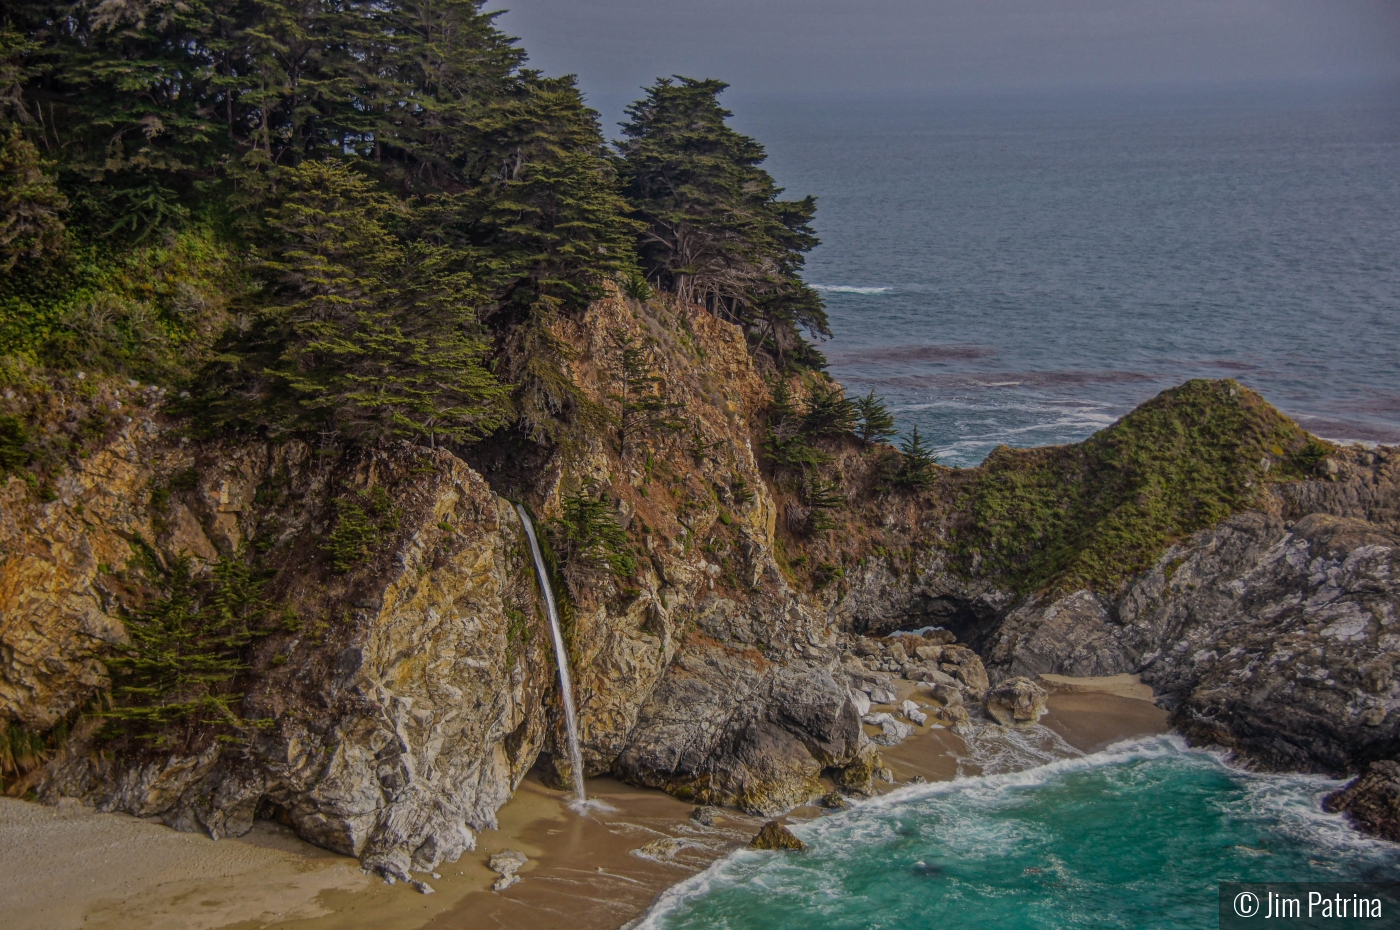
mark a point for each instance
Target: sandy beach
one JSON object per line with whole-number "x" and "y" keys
{"x": 70, "y": 867}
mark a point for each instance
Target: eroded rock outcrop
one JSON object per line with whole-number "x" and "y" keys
{"x": 1274, "y": 634}
{"x": 1372, "y": 801}
{"x": 403, "y": 709}
{"x": 1016, "y": 702}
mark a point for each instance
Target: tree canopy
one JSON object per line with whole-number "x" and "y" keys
{"x": 716, "y": 231}
{"x": 358, "y": 218}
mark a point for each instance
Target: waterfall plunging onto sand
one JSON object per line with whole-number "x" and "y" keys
{"x": 566, "y": 685}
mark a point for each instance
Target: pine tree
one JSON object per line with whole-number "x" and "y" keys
{"x": 641, "y": 405}
{"x": 876, "y": 421}
{"x": 590, "y": 536}
{"x": 822, "y": 496}
{"x": 917, "y": 461}
{"x": 786, "y": 441}
{"x": 829, "y": 412}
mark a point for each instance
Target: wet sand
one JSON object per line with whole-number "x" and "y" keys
{"x": 584, "y": 872}
{"x": 70, "y": 867}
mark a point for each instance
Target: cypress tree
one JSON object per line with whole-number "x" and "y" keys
{"x": 716, "y": 230}
{"x": 876, "y": 421}
{"x": 917, "y": 461}
{"x": 363, "y": 335}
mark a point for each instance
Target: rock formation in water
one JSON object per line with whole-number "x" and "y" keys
{"x": 1372, "y": 801}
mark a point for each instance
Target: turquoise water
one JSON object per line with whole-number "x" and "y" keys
{"x": 1134, "y": 837}
{"x": 1025, "y": 269}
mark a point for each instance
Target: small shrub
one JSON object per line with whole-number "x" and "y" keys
{"x": 637, "y": 288}
{"x": 22, "y": 751}
{"x": 14, "y": 444}
{"x": 362, "y": 521}
{"x": 186, "y": 649}
{"x": 590, "y": 536}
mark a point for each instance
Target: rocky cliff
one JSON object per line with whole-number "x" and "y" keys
{"x": 402, "y": 690}
{"x": 398, "y": 683}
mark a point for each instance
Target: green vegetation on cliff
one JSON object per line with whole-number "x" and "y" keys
{"x": 1098, "y": 512}
{"x": 358, "y": 220}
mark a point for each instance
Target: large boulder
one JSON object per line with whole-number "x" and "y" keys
{"x": 726, "y": 726}
{"x": 1016, "y": 702}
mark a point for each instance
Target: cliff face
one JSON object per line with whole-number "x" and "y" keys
{"x": 403, "y": 712}
{"x": 404, "y": 696}
{"x": 1274, "y": 633}
{"x": 397, "y": 694}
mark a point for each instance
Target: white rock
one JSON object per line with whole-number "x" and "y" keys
{"x": 892, "y": 732}
{"x": 507, "y": 864}
{"x": 861, "y": 701}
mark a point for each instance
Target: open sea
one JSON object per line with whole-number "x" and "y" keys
{"x": 1025, "y": 270}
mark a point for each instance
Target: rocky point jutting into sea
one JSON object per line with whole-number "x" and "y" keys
{"x": 400, "y": 702}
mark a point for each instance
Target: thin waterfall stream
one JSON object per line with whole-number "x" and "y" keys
{"x": 566, "y": 684}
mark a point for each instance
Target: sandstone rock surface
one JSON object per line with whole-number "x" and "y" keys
{"x": 1016, "y": 702}
{"x": 776, "y": 836}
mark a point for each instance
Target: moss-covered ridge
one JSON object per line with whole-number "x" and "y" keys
{"x": 1093, "y": 514}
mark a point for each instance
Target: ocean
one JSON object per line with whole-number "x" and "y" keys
{"x": 1025, "y": 269}
{"x": 1135, "y": 837}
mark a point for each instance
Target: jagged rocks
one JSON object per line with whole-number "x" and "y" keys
{"x": 776, "y": 836}
{"x": 1016, "y": 702}
{"x": 913, "y": 713}
{"x": 1372, "y": 801}
{"x": 405, "y": 709}
{"x": 892, "y": 731}
{"x": 725, "y": 726}
{"x": 859, "y": 776}
{"x": 947, "y": 694}
{"x": 507, "y": 864}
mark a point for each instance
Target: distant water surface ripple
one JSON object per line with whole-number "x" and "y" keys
{"x": 1025, "y": 270}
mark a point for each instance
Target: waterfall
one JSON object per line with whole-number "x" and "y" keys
{"x": 566, "y": 685}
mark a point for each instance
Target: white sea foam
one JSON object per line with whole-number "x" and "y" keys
{"x": 1291, "y": 803}
{"x": 850, "y": 289}
{"x": 590, "y": 805}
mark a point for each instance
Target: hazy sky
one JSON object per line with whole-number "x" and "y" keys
{"x": 784, "y": 46}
